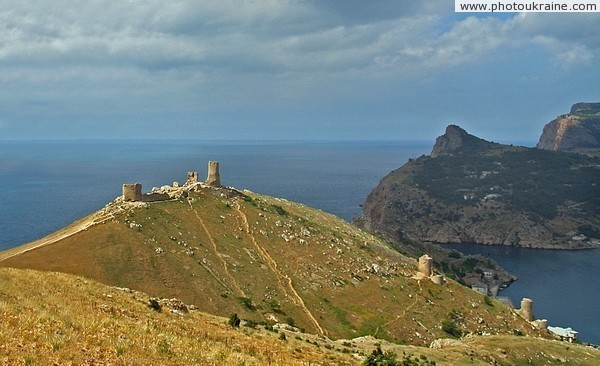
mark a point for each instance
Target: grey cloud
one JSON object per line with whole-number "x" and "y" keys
{"x": 214, "y": 58}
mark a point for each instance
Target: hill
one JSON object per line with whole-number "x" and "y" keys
{"x": 268, "y": 260}
{"x": 58, "y": 319}
{"x": 51, "y": 318}
{"x": 577, "y": 131}
{"x": 472, "y": 190}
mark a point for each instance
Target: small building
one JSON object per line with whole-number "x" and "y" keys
{"x": 564, "y": 333}
{"x": 480, "y": 287}
{"x": 488, "y": 274}
{"x": 472, "y": 279}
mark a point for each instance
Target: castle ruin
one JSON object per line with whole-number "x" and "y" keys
{"x": 425, "y": 265}
{"x": 213, "y": 179}
{"x": 426, "y": 271}
{"x": 132, "y": 192}
{"x": 192, "y": 178}
{"x": 526, "y": 310}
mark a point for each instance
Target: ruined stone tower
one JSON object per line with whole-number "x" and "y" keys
{"x": 213, "y": 179}
{"x": 526, "y": 310}
{"x": 132, "y": 192}
{"x": 192, "y": 178}
{"x": 425, "y": 263}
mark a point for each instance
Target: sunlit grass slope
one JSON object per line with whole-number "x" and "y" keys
{"x": 49, "y": 318}
{"x": 269, "y": 260}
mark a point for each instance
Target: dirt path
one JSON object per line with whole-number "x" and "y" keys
{"x": 405, "y": 309}
{"x": 283, "y": 279}
{"x": 218, "y": 253}
{"x": 74, "y": 228}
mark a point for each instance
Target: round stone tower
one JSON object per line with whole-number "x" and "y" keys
{"x": 213, "y": 179}
{"x": 438, "y": 279}
{"x": 526, "y": 310}
{"x": 132, "y": 192}
{"x": 425, "y": 265}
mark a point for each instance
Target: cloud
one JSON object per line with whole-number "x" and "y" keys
{"x": 570, "y": 40}
{"x": 214, "y": 59}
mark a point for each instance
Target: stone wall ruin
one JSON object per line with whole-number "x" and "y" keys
{"x": 132, "y": 192}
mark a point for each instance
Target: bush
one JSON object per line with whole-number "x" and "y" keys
{"x": 234, "y": 321}
{"x": 290, "y": 321}
{"x": 247, "y": 302}
{"x": 280, "y": 210}
{"x": 451, "y": 328}
{"x": 250, "y": 324}
{"x": 488, "y": 301}
{"x": 154, "y": 305}
{"x": 378, "y": 358}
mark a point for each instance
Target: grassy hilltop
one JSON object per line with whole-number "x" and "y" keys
{"x": 268, "y": 260}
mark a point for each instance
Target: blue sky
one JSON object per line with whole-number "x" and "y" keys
{"x": 287, "y": 69}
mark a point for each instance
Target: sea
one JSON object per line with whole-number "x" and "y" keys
{"x": 46, "y": 185}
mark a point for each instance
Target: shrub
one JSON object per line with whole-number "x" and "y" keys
{"x": 451, "y": 328}
{"x": 154, "y": 305}
{"x": 250, "y": 324}
{"x": 234, "y": 321}
{"x": 290, "y": 321}
{"x": 488, "y": 301}
{"x": 378, "y": 358}
{"x": 280, "y": 210}
{"x": 247, "y": 302}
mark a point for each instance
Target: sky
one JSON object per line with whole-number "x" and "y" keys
{"x": 288, "y": 69}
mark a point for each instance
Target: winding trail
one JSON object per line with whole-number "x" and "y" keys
{"x": 405, "y": 309}
{"x": 283, "y": 280}
{"x": 218, "y": 253}
{"x": 72, "y": 229}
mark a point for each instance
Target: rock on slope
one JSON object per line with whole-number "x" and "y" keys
{"x": 578, "y": 130}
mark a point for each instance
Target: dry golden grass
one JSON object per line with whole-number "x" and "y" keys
{"x": 57, "y": 319}
{"x": 49, "y": 318}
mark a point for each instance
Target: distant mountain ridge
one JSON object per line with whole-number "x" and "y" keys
{"x": 476, "y": 191}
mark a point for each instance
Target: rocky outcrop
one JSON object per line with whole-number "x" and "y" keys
{"x": 452, "y": 140}
{"x": 577, "y": 131}
{"x": 475, "y": 191}
{"x": 585, "y": 108}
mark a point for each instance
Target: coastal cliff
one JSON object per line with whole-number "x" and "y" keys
{"x": 577, "y": 131}
{"x": 474, "y": 191}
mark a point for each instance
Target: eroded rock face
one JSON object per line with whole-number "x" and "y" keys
{"x": 452, "y": 140}
{"x": 580, "y": 129}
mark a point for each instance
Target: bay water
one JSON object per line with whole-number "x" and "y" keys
{"x": 46, "y": 185}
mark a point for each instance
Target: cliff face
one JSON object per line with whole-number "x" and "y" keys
{"x": 452, "y": 140}
{"x": 476, "y": 191}
{"x": 577, "y": 131}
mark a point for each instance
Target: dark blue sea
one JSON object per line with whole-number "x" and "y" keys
{"x": 564, "y": 285}
{"x": 47, "y": 185}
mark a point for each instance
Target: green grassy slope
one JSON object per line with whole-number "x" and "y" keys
{"x": 269, "y": 260}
